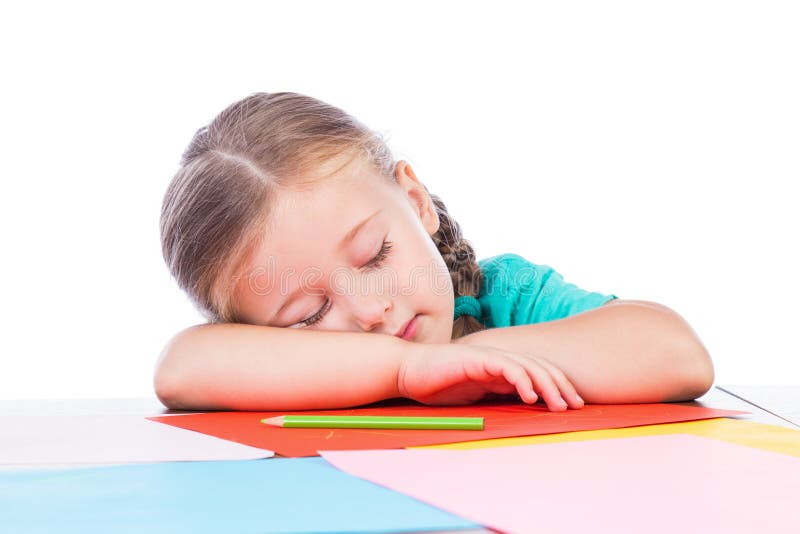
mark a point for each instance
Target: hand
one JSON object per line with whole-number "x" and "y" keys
{"x": 462, "y": 374}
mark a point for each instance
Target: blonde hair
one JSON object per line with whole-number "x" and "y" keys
{"x": 217, "y": 203}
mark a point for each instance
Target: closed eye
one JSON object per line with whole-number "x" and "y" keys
{"x": 380, "y": 257}
{"x": 374, "y": 263}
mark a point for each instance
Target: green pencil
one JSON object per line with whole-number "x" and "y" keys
{"x": 368, "y": 421}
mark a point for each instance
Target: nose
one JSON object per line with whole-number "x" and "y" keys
{"x": 369, "y": 311}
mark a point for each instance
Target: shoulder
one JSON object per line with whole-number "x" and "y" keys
{"x": 504, "y": 262}
{"x": 501, "y": 259}
{"x": 511, "y": 270}
{"x": 507, "y": 259}
{"x": 524, "y": 292}
{"x": 508, "y": 279}
{"x": 498, "y": 290}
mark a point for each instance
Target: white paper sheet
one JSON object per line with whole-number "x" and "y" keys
{"x": 73, "y": 441}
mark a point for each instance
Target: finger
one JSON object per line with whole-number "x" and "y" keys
{"x": 506, "y": 388}
{"x": 543, "y": 382}
{"x": 514, "y": 373}
{"x": 568, "y": 391}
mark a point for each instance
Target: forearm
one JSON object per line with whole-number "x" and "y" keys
{"x": 628, "y": 352}
{"x": 246, "y": 367}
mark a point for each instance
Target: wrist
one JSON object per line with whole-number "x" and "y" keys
{"x": 404, "y": 351}
{"x": 469, "y": 339}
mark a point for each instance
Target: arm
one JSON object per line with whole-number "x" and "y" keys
{"x": 246, "y": 367}
{"x": 251, "y": 368}
{"x": 623, "y": 352}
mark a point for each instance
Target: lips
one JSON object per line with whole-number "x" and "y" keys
{"x": 408, "y": 329}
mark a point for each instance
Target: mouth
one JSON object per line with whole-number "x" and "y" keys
{"x": 409, "y": 329}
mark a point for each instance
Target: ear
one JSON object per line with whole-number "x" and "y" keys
{"x": 417, "y": 196}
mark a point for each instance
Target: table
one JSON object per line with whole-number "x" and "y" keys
{"x": 780, "y": 401}
{"x": 777, "y": 405}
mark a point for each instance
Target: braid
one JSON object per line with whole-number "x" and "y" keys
{"x": 459, "y": 256}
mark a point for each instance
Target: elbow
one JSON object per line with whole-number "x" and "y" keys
{"x": 165, "y": 378}
{"x": 181, "y": 383}
{"x": 696, "y": 377}
{"x": 694, "y": 370}
{"x": 175, "y": 395}
{"x": 167, "y": 392}
{"x": 705, "y": 373}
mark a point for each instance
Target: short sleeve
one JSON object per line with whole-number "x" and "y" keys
{"x": 553, "y": 298}
{"x": 521, "y": 292}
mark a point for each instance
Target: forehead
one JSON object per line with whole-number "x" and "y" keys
{"x": 303, "y": 233}
{"x": 312, "y": 222}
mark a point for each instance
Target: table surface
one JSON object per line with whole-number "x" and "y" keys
{"x": 781, "y": 401}
{"x": 776, "y": 405}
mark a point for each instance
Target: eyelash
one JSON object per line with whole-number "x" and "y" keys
{"x": 374, "y": 263}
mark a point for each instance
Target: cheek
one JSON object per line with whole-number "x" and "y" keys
{"x": 430, "y": 285}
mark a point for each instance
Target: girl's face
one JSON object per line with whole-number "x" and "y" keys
{"x": 353, "y": 254}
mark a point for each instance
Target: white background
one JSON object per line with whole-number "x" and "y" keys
{"x": 644, "y": 149}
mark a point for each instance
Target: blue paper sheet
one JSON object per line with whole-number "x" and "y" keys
{"x": 254, "y": 496}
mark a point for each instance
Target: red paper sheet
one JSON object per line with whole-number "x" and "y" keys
{"x": 500, "y": 421}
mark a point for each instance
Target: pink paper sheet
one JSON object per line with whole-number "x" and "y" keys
{"x": 654, "y": 484}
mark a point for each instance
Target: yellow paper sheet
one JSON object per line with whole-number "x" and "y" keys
{"x": 758, "y": 435}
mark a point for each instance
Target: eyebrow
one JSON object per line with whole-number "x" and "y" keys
{"x": 346, "y": 240}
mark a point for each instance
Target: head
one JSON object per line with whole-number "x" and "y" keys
{"x": 288, "y": 212}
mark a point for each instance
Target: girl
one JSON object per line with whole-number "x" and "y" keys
{"x": 331, "y": 277}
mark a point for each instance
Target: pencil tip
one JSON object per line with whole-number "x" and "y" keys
{"x": 273, "y": 421}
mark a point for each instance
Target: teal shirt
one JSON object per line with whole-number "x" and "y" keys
{"x": 516, "y": 291}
